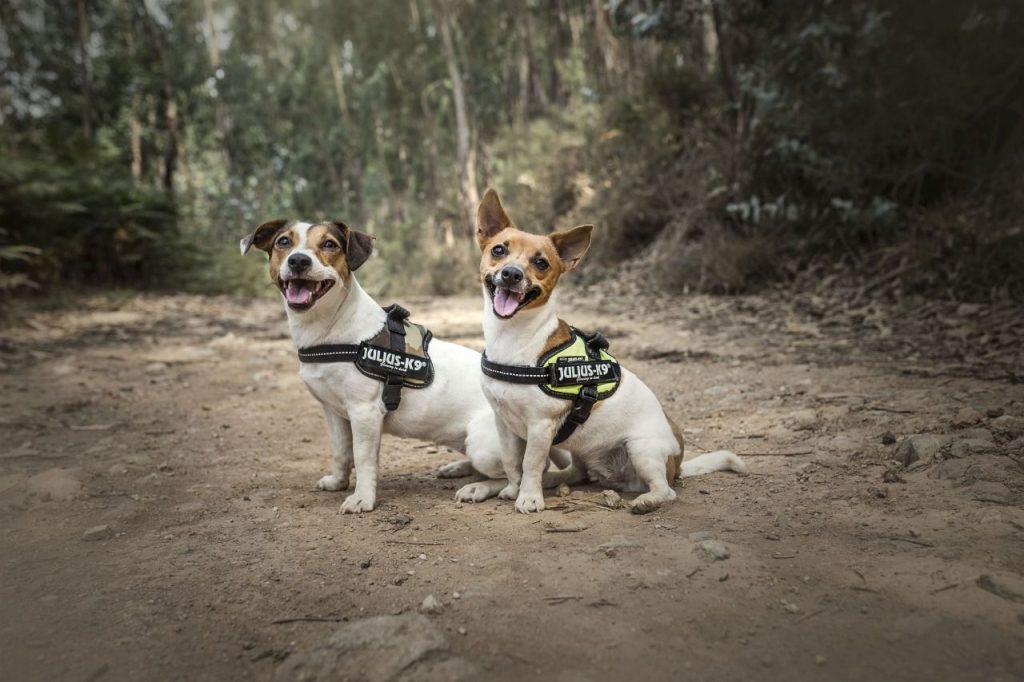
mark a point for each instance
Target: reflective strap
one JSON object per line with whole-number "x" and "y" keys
{"x": 515, "y": 374}
{"x": 337, "y": 352}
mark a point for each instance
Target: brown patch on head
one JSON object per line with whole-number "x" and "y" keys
{"x": 540, "y": 258}
{"x": 279, "y": 251}
{"x": 338, "y": 246}
{"x": 263, "y": 236}
{"x": 327, "y": 242}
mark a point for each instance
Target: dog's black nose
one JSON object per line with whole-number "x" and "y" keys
{"x": 299, "y": 262}
{"x": 510, "y": 274}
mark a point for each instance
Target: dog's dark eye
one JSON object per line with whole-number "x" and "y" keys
{"x": 540, "y": 263}
{"x": 498, "y": 251}
{"x": 329, "y": 245}
{"x": 283, "y": 242}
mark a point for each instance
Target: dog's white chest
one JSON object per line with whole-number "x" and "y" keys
{"x": 334, "y": 384}
{"x": 514, "y": 404}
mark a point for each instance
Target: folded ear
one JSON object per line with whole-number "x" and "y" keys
{"x": 572, "y": 244}
{"x": 358, "y": 246}
{"x": 490, "y": 218}
{"x": 263, "y": 237}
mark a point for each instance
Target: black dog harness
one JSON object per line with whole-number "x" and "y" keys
{"x": 396, "y": 355}
{"x": 581, "y": 370}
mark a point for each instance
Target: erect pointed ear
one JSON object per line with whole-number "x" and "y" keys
{"x": 358, "y": 246}
{"x": 490, "y": 218}
{"x": 263, "y": 237}
{"x": 572, "y": 244}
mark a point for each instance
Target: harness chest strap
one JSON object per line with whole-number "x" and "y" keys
{"x": 396, "y": 356}
{"x": 580, "y": 370}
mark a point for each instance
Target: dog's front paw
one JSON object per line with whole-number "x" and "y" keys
{"x": 332, "y": 483}
{"x": 648, "y": 502}
{"x": 457, "y": 469}
{"x": 509, "y": 492}
{"x": 527, "y": 503}
{"x": 357, "y": 503}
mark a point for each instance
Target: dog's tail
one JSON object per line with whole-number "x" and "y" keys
{"x": 720, "y": 460}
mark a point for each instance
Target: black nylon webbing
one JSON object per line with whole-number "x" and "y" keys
{"x": 336, "y": 352}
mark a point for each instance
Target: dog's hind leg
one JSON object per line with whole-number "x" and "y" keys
{"x": 560, "y": 457}
{"x": 339, "y": 435}
{"x": 569, "y": 475}
{"x": 483, "y": 448}
{"x": 460, "y": 468}
{"x": 648, "y": 456}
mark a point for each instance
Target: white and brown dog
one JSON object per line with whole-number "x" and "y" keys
{"x": 313, "y": 266}
{"x": 629, "y": 442}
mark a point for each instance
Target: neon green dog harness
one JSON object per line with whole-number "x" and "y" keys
{"x": 581, "y": 370}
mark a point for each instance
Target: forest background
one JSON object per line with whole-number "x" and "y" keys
{"x": 718, "y": 145}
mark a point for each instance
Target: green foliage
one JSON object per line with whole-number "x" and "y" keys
{"x": 715, "y": 138}
{"x": 86, "y": 223}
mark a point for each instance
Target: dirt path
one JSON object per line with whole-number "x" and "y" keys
{"x": 180, "y": 425}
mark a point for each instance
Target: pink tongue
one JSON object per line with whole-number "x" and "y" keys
{"x": 298, "y": 293}
{"x": 505, "y": 302}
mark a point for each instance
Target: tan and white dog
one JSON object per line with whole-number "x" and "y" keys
{"x": 313, "y": 266}
{"x": 629, "y": 442}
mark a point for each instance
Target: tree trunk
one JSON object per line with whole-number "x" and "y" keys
{"x": 171, "y": 151}
{"x": 213, "y": 51}
{"x": 83, "y": 54}
{"x": 463, "y": 142}
{"x": 339, "y": 89}
{"x": 134, "y": 125}
{"x": 709, "y": 40}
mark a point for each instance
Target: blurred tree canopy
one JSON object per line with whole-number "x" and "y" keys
{"x": 140, "y": 138}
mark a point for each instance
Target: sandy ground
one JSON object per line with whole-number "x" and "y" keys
{"x": 179, "y": 424}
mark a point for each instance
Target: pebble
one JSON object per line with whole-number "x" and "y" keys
{"x": 611, "y": 499}
{"x": 564, "y": 491}
{"x": 1008, "y": 588}
{"x": 98, "y": 533}
{"x": 992, "y": 491}
{"x": 820, "y": 660}
{"x": 919, "y": 446}
{"x": 966, "y": 416}
{"x": 431, "y": 605}
{"x": 972, "y": 446}
{"x": 888, "y": 438}
{"x": 1008, "y": 425}
{"x": 994, "y": 412}
{"x": 713, "y": 550}
{"x": 156, "y": 367}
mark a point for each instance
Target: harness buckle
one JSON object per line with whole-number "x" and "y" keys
{"x": 581, "y": 407}
{"x": 392, "y": 394}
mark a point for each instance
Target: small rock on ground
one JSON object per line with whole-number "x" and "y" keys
{"x": 403, "y": 648}
{"x": 98, "y": 533}
{"x": 919, "y": 446}
{"x": 1009, "y": 588}
{"x": 992, "y": 491}
{"x": 431, "y": 605}
{"x": 713, "y": 550}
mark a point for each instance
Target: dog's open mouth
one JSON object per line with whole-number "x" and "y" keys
{"x": 301, "y": 294}
{"x": 507, "y": 302}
